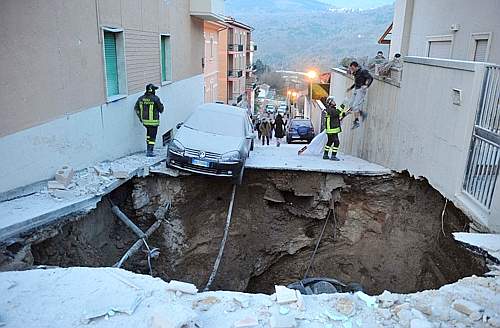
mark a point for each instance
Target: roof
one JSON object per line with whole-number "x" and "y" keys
{"x": 232, "y": 21}
{"x": 222, "y": 108}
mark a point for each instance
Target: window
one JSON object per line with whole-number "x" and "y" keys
{"x": 166, "y": 58}
{"x": 439, "y": 46}
{"x": 480, "y": 46}
{"x": 211, "y": 47}
{"x": 114, "y": 62}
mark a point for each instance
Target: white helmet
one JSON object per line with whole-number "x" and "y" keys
{"x": 330, "y": 101}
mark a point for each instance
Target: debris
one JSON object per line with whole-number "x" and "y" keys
{"x": 282, "y": 321}
{"x": 64, "y": 175}
{"x": 420, "y": 323}
{"x": 100, "y": 171}
{"x": 285, "y": 295}
{"x": 248, "y": 322}
{"x": 173, "y": 317}
{"x": 300, "y": 305}
{"x": 284, "y": 310}
{"x": 183, "y": 287}
{"x": 369, "y": 300}
{"x": 466, "y": 307}
{"x": 243, "y": 302}
{"x": 120, "y": 172}
{"x": 206, "y": 303}
{"x": 387, "y": 299}
{"x": 55, "y": 185}
{"x": 345, "y": 306}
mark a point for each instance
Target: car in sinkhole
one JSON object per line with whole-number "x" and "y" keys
{"x": 215, "y": 140}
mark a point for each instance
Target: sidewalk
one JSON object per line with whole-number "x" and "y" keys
{"x": 25, "y": 213}
{"x": 285, "y": 158}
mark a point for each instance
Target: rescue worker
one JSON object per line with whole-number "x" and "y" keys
{"x": 333, "y": 116}
{"x": 148, "y": 108}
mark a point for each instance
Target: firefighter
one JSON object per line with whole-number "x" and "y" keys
{"x": 333, "y": 115}
{"x": 148, "y": 108}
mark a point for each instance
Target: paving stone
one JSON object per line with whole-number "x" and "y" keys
{"x": 120, "y": 173}
{"x": 102, "y": 171}
{"x": 387, "y": 299}
{"x": 494, "y": 322}
{"x": 345, "y": 306}
{"x": 183, "y": 287}
{"x": 64, "y": 175}
{"x": 248, "y": 322}
{"x": 285, "y": 295}
{"x": 466, "y": 307}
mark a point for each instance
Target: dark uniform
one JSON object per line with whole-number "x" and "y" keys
{"x": 332, "y": 127}
{"x": 148, "y": 108}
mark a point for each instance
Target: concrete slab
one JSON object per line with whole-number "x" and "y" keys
{"x": 285, "y": 157}
{"x": 43, "y": 207}
{"x": 487, "y": 241}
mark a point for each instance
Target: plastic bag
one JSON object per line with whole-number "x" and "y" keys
{"x": 317, "y": 145}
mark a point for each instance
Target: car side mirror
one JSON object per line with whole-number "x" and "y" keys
{"x": 178, "y": 126}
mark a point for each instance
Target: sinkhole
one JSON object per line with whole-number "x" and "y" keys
{"x": 383, "y": 232}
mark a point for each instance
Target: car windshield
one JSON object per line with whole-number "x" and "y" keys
{"x": 220, "y": 123}
{"x": 296, "y": 123}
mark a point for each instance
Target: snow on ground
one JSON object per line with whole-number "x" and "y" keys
{"x": 108, "y": 297}
{"x": 84, "y": 192}
{"x": 285, "y": 157}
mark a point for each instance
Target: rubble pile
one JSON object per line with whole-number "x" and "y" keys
{"x": 108, "y": 297}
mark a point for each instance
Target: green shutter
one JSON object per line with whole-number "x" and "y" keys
{"x": 110, "y": 59}
{"x": 163, "y": 58}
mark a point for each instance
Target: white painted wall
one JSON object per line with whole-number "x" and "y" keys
{"x": 82, "y": 139}
{"x": 416, "y": 127}
{"x": 414, "y": 21}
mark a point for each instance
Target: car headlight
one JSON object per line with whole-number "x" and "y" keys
{"x": 231, "y": 156}
{"x": 176, "y": 147}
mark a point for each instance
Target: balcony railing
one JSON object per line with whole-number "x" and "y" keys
{"x": 235, "y": 47}
{"x": 237, "y": 73}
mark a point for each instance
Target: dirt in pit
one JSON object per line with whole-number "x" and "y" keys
{"x": 385, "y": 234}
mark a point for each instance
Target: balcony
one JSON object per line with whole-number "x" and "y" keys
{"x": 209, "y": 10}
{"x": 235, "y": 47}
{"x": 235, "y": 74}
{"x": 250, "y": 68}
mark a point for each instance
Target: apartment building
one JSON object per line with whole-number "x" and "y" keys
{"x": 450, "y": 29}
{"x": 441, "y": 120}
{"x": 235, "y": 51}
{"x": 75, "y": 70}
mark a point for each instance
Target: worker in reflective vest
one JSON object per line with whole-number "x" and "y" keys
{"x": 333, "y": 115}
{"x": 148, "y": 108}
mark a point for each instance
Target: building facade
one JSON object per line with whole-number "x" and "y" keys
{"x": 236, "y": 57}
{"x": 76, "y": 71}
{"x": 450, "y": 29}
{"x": 211, "y": 60}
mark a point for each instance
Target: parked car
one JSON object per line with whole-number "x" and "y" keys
{"x": 299, "y": 129}
{"x": 215, "y": 140}
{"x": 282, "y": 109}
{"x": 270, "y": 108}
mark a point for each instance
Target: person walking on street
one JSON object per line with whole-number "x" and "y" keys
{"x": 273, "y": 125}
{"x": 148, "y": 108}
{"x": 265, "y": 130}
{"x": 257, "y": 125}
{"x": 279, "y": 129}
{"x": 362, "y": 81}
{"x": 333, "y": 116}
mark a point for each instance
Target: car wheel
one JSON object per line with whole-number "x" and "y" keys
{"x": 239, "y": 179}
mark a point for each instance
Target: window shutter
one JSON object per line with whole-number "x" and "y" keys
{"x": 163, "y": 59}
{"x": 110, "y": 59}
{"x": 480, "y": 53}
{"x": 439, "y": 49}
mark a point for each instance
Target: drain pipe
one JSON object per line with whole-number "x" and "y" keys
{"x": 119, "y": 214}
{"x": 223, "y": 242}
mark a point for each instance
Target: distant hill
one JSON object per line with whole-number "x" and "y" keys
{"x": 357, "y": 4}
{"x": 298, "y": 34}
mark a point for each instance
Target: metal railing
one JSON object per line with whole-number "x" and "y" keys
{"x": 484, "y": 156}
{"x": 235, "y": 73}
